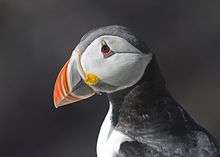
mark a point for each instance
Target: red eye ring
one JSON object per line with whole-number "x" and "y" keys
{"x": 106, "y": 51}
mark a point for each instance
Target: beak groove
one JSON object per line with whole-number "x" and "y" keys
{"x": 63, "y": 94}
{"x": 67, "y": 89}
{"x": 61, "y": 88}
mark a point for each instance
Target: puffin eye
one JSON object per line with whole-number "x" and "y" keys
{"x": 106, "y": 51}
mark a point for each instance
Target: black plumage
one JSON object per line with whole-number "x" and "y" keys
{"x": 148, "y": 113}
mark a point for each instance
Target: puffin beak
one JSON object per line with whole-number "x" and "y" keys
{"x": 69, "y": 86}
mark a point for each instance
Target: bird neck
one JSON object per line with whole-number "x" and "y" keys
{"x": 148, "y": 105}
{"x": 140, "y": 97}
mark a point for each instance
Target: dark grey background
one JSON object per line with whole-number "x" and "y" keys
{"x": 34, "y": 36}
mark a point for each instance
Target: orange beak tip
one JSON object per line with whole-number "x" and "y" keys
{"x": 56, "y": 105}
{"x": 63, "y": 93}
{"x": 61, "y": 101}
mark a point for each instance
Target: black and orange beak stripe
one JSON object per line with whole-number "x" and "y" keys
{"x": 62, "y": 93}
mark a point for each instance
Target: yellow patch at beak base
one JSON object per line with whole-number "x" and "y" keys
{"x": 91, "y": 79}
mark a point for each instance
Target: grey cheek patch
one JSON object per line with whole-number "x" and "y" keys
{"x": 126, "y": 52}
{"x": 102, "y": 86}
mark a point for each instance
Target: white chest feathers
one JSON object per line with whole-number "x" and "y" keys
{"x": 109, "y": 139}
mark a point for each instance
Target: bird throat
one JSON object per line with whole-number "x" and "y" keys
{"x": 140, "y": 99}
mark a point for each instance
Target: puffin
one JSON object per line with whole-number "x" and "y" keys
{"x": 143, "y": 119}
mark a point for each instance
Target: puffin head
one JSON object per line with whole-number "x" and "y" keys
{"x": 107, "y": 59}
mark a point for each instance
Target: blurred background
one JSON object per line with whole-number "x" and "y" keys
{"x": 35, "y": 36}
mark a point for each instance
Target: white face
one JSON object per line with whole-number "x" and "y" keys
{"x": 120, "y": 69}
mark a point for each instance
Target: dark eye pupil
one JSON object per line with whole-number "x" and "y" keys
{"x": 105, "y": 49}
